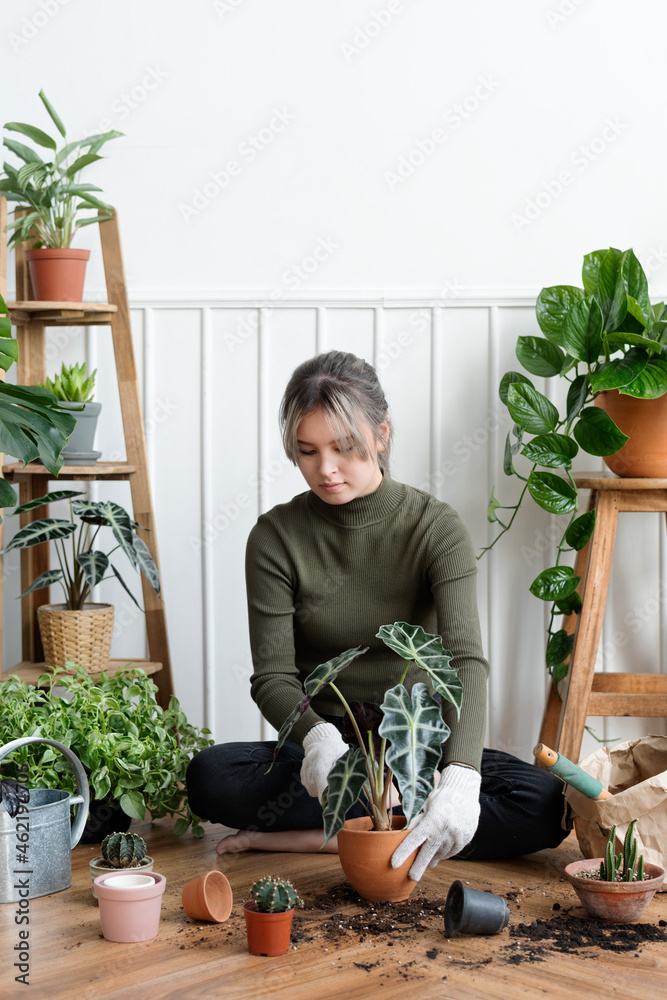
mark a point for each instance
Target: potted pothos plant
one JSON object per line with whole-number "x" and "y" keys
{"x": 608, "y": 344}
{"x": 49, "y": 186}
{"x": 134, "y": 752}
{"x": 74, "y": 389}
{"x": 399, "y": 740}
{"x": 81, "y": 566}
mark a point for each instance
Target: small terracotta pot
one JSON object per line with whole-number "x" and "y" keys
{"x": 645, "y": 423}
{"x": 268, "y": 933}
{"x": 129, "y": 913}
{"x": 617, "y": 901}
{"x": 57, "y": 274}
{"x": 208, "y": 897}
{"x": 98, "y": 866}
{"x": 365, "y": 857}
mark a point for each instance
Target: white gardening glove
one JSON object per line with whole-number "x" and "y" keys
{"x": 323, "y": 745}
{"x": 447, "y": 822}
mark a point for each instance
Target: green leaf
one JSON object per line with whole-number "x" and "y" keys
{"x": 132, "y": 803}
{"x": 180, "y": 826}
{"x": 512, "y": 448}
{"x": 146, "y": 563}
{"x": 53, "y": 114}
{"x": 597, "y": 433}
{"x": 623, "y": 337}
{"x": 582, "y": 331}
{"x": 47, "y": 498}
{"x": 553, "y": 303}
{"x": 344, "y": 784}
{"x": 612, "y": 294}
{"x": 94, "y": 565}
{"x": 636, "y": 313}
{"x": 539, "y": 356}
{"x": 425, "y": 650}
{"x": 45, "y": 530}
{"x": 581, "y": 529}
{"x": 555, "y": 584}
{"x": 36, "y": 134}
{"x": 590, "y": 273}
{"x": 636, "y": 284}
{"x": 508, "y": 379}
{"x": 8, "y": 496}
{"x": 576, "y": 397}
{"x": 412, "y": 722}
{"x": 44, "y": 579}
{"x": 81, "y": 162}
{"x": 23, "y": 152}
{"x": 620, "y": 371}
{"x": 114, "y": 516}
{"x": 530, "y": 409}
{"x": 555, "y": 451}
{"x": 552, "y": 493}
{"x": 492, "y": 508}
{"x": 559, "y": 648}
{"x": 571, "y": 605}
{"x": 650, "y": 383}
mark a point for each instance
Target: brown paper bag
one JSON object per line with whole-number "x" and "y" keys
{"x": 636, "y": 774}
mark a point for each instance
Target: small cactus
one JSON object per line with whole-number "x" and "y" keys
{"x": 626, "y": 867}
{"x": 274, "y": 895}
{"x": 123, "y": 850}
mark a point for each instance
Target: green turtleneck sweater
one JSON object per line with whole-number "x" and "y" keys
{"x": 322, "y": 578}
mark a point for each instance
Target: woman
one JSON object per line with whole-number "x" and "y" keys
{"x": 324, "y": 571}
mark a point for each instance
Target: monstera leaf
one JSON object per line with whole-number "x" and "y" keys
{"x": 413, "y": 726}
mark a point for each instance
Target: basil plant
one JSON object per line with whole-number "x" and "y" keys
{"x": 604, "y": 335}
{"x": 402, "y": 738}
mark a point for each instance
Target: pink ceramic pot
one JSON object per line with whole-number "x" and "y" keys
{"x": 130, "y": 911}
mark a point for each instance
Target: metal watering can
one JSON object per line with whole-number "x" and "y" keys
{"x": 36, "y": 845}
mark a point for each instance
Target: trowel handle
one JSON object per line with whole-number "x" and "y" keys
{"x": 570, "y": 773}
{"x": 82, "y": 799}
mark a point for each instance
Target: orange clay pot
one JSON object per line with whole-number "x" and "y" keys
{"x": 57, "y": 274}
{"x": 618, "y": 901}
{"x": 365, "y": 856}
{"x": 268, "y": 933}
{"x": 645, "y": 423}
{"x": 208, "y": 897}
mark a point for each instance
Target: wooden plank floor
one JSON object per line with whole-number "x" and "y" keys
{"x": 69, "y": 958}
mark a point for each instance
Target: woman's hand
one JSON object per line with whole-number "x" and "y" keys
{"x": 447, "y": 822}
{"x": 323, "y": 745}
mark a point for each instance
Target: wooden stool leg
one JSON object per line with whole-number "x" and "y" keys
{"x": 587, "y": 639}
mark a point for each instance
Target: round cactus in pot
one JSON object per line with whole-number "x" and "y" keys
{"x": 121, "y": 851}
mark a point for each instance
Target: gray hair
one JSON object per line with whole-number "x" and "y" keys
{"x": 347, "y": 390}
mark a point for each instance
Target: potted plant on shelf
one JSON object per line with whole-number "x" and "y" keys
{"x": 31, "y": 424}
{"x": 54, "y": 197}
{"x": 400, "y": 739}
{"x": 78, "y": 630}
{"x": 135, "y": 753}
{"x": 73, "y": 388}
{"x": 124, "y": 851}
{"x": 617, "y": 887}
{"x": 609, "y": 345}
{"x": 269, "y": 916}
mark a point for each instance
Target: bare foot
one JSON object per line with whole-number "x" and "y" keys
{"x": 294, "y": 841}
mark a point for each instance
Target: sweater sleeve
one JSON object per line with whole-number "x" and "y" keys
{"x": 453, "y": 579}
{"x": 275, "y": 684}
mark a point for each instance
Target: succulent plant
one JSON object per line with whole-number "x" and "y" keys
{"x": 123, "y": 850}
{"x": 73, "y": 384}
{"x": 274, "y": 895}
{"x": 627, "y": 865}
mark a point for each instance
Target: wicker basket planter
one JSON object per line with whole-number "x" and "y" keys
{"x": 83, "y": 636}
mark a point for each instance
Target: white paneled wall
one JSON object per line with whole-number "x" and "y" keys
{"x": 213, "y": 375}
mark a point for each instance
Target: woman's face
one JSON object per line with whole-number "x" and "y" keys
{"x": 336, "y": 475}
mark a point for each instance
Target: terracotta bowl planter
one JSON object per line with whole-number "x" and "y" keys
{"x": 130, "y": 912}
{"x": 365, "y": 857}
{"x": 645, "y": 423}
{"x": 268, "y": 933}
{"x": 618, "y": 901}
{"x": 57, "y": 274}
{"x": 208, "y": 897}
{"x": 98, "y": 866}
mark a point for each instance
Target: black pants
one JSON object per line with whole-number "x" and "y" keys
{"x": 521, "y": 805}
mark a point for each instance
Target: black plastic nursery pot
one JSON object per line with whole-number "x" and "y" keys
{"x": 471, "y": 911}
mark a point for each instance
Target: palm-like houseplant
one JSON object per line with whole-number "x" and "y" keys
{"x": 601, "y": 337}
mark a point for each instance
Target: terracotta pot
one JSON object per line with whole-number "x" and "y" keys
{"x": 365, "y": 857}
{"x": 268, "y": 933}
{"x": 98, "y": 866}
{"x": 645, "y": 423}
{"x": 83, "y": 636}
{"x": 617, "y": 901}
{"x": 57, "y": 274}
{"x": 129, "y": 912}
{"x": 208, "y": 897}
